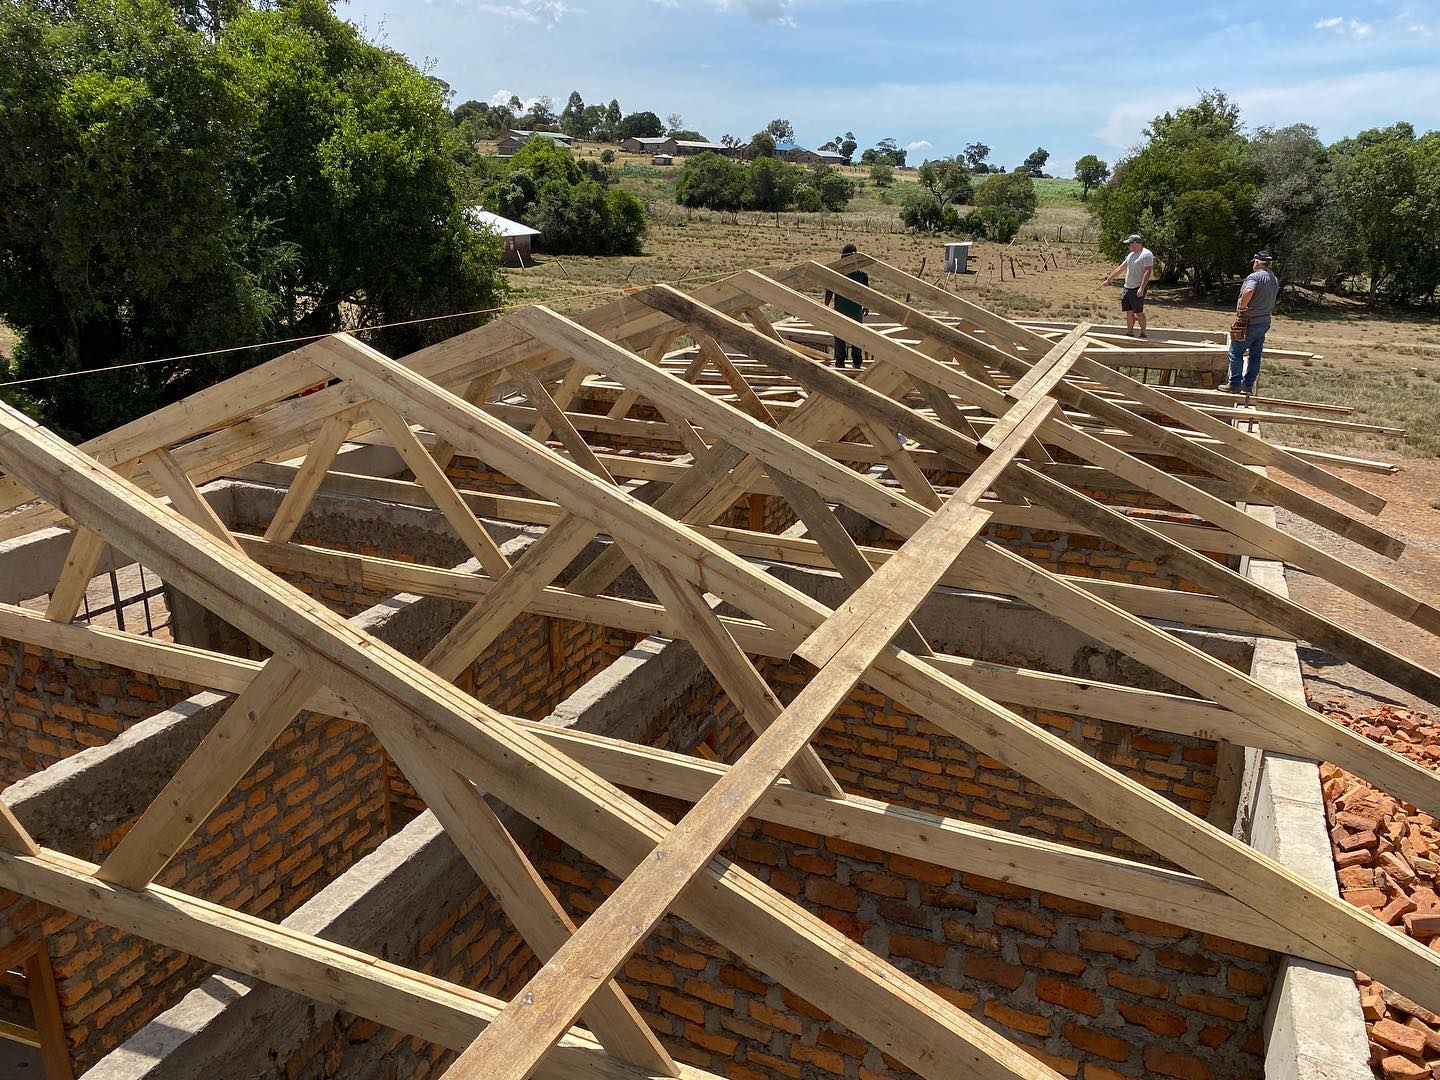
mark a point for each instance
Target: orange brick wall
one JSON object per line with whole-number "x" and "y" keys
{"x": 878, "y": 748}
{"x": 1075, "y": 984}
{"x": 473, "y": 945}
{"x": 55, "y": 705}
{"x": 310, "y": 807}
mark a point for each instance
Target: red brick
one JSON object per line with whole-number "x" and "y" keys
{"x": 1051, "y": 959}
{"x": 831, "y": 893}
{"x": 1094, "y": 1042}
{"x": 1191, "y": 963}
{"x": 994, "y": 970}
{"x": 1020, "y": 1021}
{"x": 1144, "y": 985}
{"x": 1024, "y": 921}
{"x": 1181, "y": 1066}
{"x": 1106, "y": 942}
{"x": 1147, "y": 1016}
{"x": 764, "y": 1014}
{"x": 1394, "y": 1036}
{"x": 915, "y": 948}
{"x": 1213, "y": 1006}
{"x": 1068, "y": 995}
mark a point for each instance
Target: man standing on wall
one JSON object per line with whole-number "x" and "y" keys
{"x": 1252, "y": 320}
{"x": 1138, "y": 265}
{"x": 849, "y": 308}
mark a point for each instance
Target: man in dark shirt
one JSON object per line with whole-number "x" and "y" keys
{"x": 1255, "y": 307}
{"x": 847, "y": 307}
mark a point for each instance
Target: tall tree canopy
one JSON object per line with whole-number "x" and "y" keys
{"x": 1190, "y": 191}
{"x": 181, "y": 178}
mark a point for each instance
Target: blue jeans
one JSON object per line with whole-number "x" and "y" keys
{"x": 1242, "y": 374}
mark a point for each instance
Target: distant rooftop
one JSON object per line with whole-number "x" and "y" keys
{"x": 500, "y": 226}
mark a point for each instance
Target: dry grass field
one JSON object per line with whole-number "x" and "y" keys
{"x": 1384, "y": 363}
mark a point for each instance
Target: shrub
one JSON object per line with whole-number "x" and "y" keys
{"x": 1015, "y": 190}
{"x": 923, "y": 212}
{"x": 607, "y": 156}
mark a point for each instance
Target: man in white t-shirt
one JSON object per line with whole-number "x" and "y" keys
{"x": 1138, "y": 265}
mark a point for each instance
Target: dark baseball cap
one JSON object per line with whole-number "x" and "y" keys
{"x": 1264, "y": 256}
{"x": 1134, "y": 238}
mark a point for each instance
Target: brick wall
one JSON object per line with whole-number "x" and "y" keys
{"x": 474, "y": 945}
{"x": 55, "y": 705}
{"x": 878, "y": 748}
{"x": 1075, "y": 984}
{"x": 310, "y": 807}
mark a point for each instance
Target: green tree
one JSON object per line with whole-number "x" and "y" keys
{"x": 923, "y": 211}
{"x": 1091, "y": 172}
{"x": 1015, "y": 190}
{"x": 770, "y": 184}
{"x": 1201, "y": 152}
{"x": 182, "y": 192}
{"x": 782, "y": 131}
{"x": 572, "y": 117}
{"x": 1300, "y": 213}
{"x": 1390, "y": 187}
{"x": 1034, "y": 164}
{"x": 886, "y": 150}
{"x": 975, "y": 155}
{"x": 569, "y": 201}
{"x": 762, "y": 144}
{"x": 833, "y": 189}
{"x": 882, "y": 173}
{"x": 640, "y": 125}
{"x": 713, "y": 181}
{"x": 947, "y": 179}
{"x": 844, "y": 145}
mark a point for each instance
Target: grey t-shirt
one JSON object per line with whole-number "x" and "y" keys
{"x": 1136, "y": 263}
{"x": 1266, "y": 288}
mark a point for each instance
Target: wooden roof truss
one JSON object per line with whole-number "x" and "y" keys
{"x": 965, "y": 388}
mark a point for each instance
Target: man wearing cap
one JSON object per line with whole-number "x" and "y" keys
{"x": 1138, "y": 265}
{"x": 1253, "y": 310}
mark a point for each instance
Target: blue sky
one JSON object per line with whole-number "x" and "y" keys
{"x": 1075, "y": 77}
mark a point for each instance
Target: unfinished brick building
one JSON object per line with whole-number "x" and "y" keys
{"x": 723, "y": 638}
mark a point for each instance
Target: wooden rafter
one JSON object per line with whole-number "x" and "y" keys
{"x": 993, "y": 390}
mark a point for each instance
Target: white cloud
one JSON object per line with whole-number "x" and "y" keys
{"x": 1352, "y": 28}
{"x": 540, "y": 12}
{"x": 919, "y": 146}
{"x": 775, "y": 12}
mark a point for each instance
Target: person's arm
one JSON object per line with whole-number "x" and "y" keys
{"x": 1245, "y": 294}
{"x": 1111, "y": 276}
{"x": 1145, "y": 280}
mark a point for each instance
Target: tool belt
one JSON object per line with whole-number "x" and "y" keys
{"x": 1238, "y": 329}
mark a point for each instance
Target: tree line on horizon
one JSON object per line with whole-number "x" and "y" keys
{"x": 1206, "y": 195}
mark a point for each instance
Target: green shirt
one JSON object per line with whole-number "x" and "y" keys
{"x": 844, "y": 305}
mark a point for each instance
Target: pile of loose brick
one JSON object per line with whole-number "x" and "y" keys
{"x": 1387, "y": 855}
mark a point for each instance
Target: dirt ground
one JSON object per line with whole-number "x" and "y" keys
{"x": 1383, "y": 363}
{"x": 1408, "y": 516}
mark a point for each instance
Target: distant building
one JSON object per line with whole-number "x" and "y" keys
{"x": 514, "y": 139}
{"x": 658, "y": 144}
{"x": 801, "y": 156}
{"x": 517, "y": 236}
{"x": 663, "y": 159}
{"x": 689, "y": 147}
